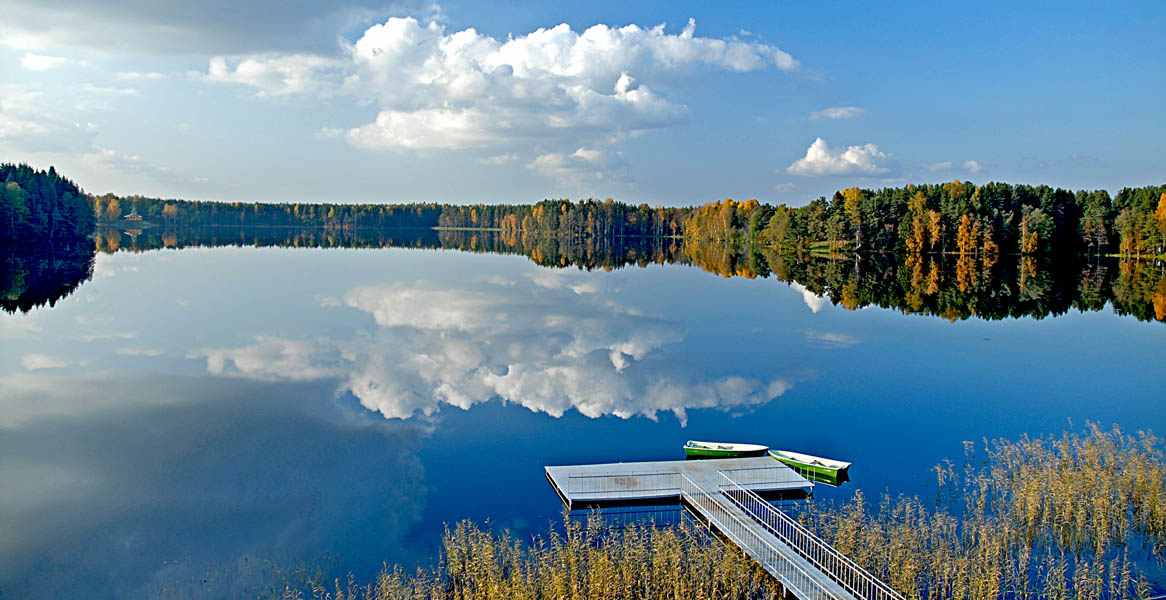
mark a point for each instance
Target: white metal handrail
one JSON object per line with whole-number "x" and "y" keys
{"x": 792, "y": 576}
{"x": 833, "y": 563}
{"x": 617, "y": 484}
{"x": 766, "y": 475}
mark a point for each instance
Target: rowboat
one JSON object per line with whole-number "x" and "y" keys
{"x": 814, "y": 464}
{"x": 830, "y": 480}
{"x": 722, "y": 450}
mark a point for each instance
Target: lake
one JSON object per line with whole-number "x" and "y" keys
{"x": 193, "y": 420}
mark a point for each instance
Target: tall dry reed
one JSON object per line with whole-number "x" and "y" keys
{"x": 592, "y": 562}
{"x": 1075, "y": 516}
{"x": 1078, "y": 516}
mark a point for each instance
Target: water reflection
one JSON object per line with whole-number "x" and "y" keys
{"x": 32, "y": 277}
{"x": 550, "y": 342}
{"x": 951, "y": 287}
{"x": 126, "y": 486}
{"x": 184, "y": 413}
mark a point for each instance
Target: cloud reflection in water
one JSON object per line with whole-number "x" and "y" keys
{"x": 549, "y": 343}
{"x": 125, "y": 486}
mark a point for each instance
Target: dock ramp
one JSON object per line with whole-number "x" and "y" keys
{"x": 726, "y": 495}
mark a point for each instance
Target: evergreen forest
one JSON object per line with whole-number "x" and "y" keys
{"x": 954, "y": 250}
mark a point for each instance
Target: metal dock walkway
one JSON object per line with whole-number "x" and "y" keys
{"x": 725, "y": 495}
{"x": 587, "y": 486}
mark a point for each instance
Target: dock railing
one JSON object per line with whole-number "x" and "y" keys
{"x": 792, "y": 576}
{"x": 623, "y": 485}
{"x": 760, "y": 476}
{"x": 833, "y": 563}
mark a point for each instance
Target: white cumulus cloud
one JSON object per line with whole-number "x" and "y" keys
{"x": 856, "y": 160}
{"x": 137, "y": 351}
{"x": 838, "y": 112}
{"x": 41, "y": 62}
{"x": 139, "y": 75}
{"x": 27, "y": 118}
{"x": 970, "y": 166}
{"x": 579, "y": 166}
{"x": 499, "y": 159}
{"x": 35, "y": 361}
{"x": 454, "y": 90}
{"x": 112, "y": 161}
{"x": 275, "y": 74}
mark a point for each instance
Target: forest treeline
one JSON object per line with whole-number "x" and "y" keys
{"x": 950, "y": 218}
{"x": 41, "y": 207}
{"x": 930, "y": 249}
{"x": 110, "y": 208}
{"x": 46, "y": 245}
{"x": 563, "y": 218}
{"x": 956, "y": 218}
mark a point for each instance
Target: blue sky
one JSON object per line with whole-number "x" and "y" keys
{"x": 473, "y": 102}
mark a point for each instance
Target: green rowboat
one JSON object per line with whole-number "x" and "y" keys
{"x": 722, "y": 450}
{"x": 830, "y": 480}
{"x": 813, "y": 464}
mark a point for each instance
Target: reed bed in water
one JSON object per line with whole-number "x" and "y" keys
{"x": 593, "y": 562}
{"x": 1074, "y": 517}
{"x": 1078, "y": 516}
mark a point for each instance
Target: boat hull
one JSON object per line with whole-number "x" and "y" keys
{"x": 822, "y": 470}
{"x": 710, "y": 453}
{"x": 831, "y": 480}
{"x": 695, "y": 449}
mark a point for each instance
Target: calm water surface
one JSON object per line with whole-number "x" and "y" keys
{"x": 188, "y": 415}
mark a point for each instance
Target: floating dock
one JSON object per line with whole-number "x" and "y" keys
{"x": 728, "y": 496}
{"x": 660, "y": 482}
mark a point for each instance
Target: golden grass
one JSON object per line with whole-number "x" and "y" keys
{"x": 1052, "y": 518}
{"x": 1073, "y": 517}
{"x": 592, "y": 562}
